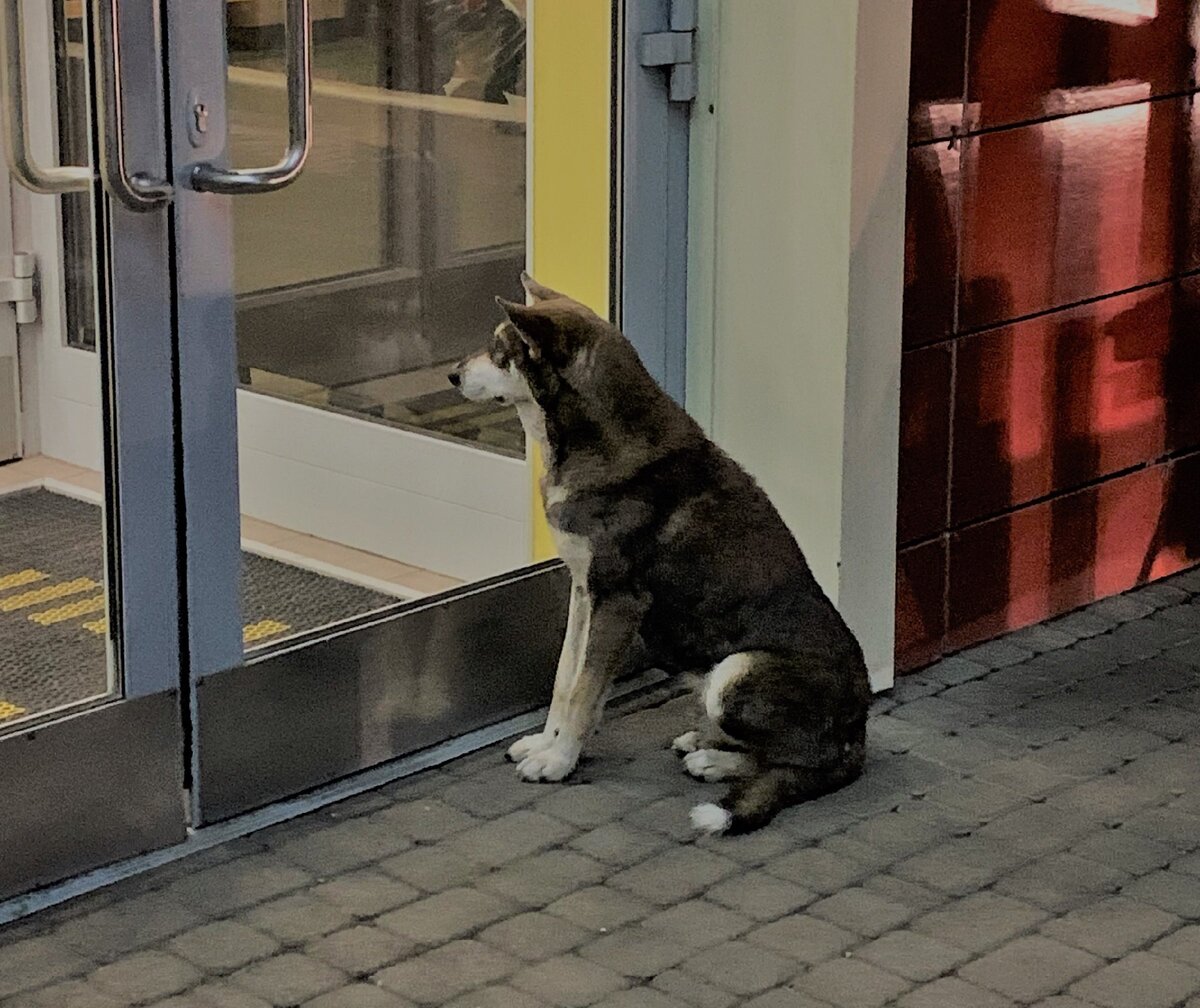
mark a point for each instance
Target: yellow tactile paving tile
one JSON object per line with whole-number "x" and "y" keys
{"x": 21, "y": 578}
{"x": 84, "y": 607}
{"x": 96, "y": 626}
{"x": 48, "y": 594}
{"x": 254, "y": 632}
{"x": 9, "y": 710}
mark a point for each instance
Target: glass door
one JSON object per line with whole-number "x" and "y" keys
{"x": 91, "y": 750}
{"x": 391, "y": 586}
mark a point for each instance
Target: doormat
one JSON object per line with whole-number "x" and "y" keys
{"x": 53, "y": 629}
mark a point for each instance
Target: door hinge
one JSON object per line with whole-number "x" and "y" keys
{"x": 20, "y": 289}
{"x": 675, "y": 49}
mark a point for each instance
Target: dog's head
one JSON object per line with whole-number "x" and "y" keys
{"x": 535, "y": 348}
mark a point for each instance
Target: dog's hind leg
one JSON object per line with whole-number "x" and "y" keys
{"x": 569, "y": 661}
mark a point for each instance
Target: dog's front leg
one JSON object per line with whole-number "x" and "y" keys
{"x": 569, "y": 660}
{"x": 612, "y": 628}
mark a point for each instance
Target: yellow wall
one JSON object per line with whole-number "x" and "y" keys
{"x": 571, "y": 110}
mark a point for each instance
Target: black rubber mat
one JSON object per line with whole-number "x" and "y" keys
{"x": 52, "y": 619}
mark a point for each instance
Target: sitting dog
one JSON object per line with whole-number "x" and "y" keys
{"x": 678, "y": 561}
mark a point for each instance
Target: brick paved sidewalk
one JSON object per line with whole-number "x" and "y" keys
{"x": 1026, "y": 833}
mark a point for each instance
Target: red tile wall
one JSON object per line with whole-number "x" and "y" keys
{"x": 1050, "y": 390}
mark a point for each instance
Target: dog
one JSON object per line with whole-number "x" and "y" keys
{"x": 678, "y": 561}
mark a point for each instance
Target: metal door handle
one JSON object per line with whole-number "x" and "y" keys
{"x": 138, "y": 191}
{"x": 234, "y": 181}
{"x": 14, "y": 120}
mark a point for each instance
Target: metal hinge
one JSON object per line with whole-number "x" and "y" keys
{"x": 675, "y": 50}
{"x": 20, "y": 289}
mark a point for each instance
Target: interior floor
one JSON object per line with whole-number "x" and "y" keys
{"x": 53, "y": 613}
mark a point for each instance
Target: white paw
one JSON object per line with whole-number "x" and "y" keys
{"x": 551, "y": 763}
{"x": 715, "y": 764}
{"x": 528, "y": 745}
{"x": 686, "y": 742}
{"x": 710, "y": 818}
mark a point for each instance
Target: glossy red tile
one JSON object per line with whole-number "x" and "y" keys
{"x": 1075, "y": 208}
{"x": 937, "y": 71}
{"x": 920, "y": 604}
{"x": 1029, "y": 59}
{"x": 931, "y": 244}
{"x": 1055, "y": 402}
{"x": 925, "y": 397}
{"x": 1048, "y": 558}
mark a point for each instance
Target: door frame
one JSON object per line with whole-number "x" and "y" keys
{"x": 61, "y": 779}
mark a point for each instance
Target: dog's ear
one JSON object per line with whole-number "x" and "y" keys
{"x": 536, "y": 291}
{"x": 538, "y": 332}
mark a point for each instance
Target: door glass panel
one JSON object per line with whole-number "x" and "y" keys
{"x": 55, "y": 635}
{"x": 358, "y": 286}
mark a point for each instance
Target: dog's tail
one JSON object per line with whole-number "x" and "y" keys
{"x": 755, "y": 801}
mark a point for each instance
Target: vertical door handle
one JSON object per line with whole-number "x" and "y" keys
{"x": 234, "y": 181}
{"x": 14, "y": 118}
{"x": 137, "y": 191}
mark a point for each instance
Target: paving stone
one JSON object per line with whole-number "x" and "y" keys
{"x": 366, "y": 893}
{"x": 145, "y": 976}
{"x": 912, "y": 955}
{"x": 1026, "y": 776}
{"x": 938, "y": 714}
{"x": 569, "y": 981}
{"x": 1163, "y": 719}
{"x": 543, "y": 878}
{"x": 1039, "y": 638}
{"x": 811, "y": 821}
{"x": 862, "y": 911}
{"x": 1104, "y": 799}
{"x": 585, "y": 805}
{"x": 961, "y": 866}
{"x": 1082, "y": 624}
{"x": 493, "y": 792}
{"x": 1038, "y": 829}
{"x": 640, "y": 997}
{"x": 223, "y": 946}
{"x": 1175, "y": 892}
{"x": 1183, "y": 945}
{"x": 445, "y": 916}
{"x": 919, "y": 897}
{"x": 909, "y": 830}
{"x": 956, "y": 669}
{"x": 599, "y": 907}
{"x": 214, "y": 995}
{"x": 535, "y": 936}
{"x": 1062, "y": 1001}
{"x": 852, "y": 984}
{"x": 1111, "y": 927}
{"x": 239, "y": 883}
{"x": 697, "y": 924}
{"x": 345, "y": 845}
{"x": 359, "y": 996}
{"x": 803, "y": 938}
{"x": 1030, "y": 968}
{"x": 981, "y": 921}
{"x": 741, "y": 968}
{"x": 619, "y": 844}
{"x": 134, "y": 923}
{"x": 1141, "y": 980}
{"x": 669, "y": 817}
{"x": 1095, "y": 751}
{"x": 976, "y": 798}
{"x": 636, "y": 952}
{"x": 761, "y": 896}
{"x": 512, "y": 836}
{"x": 434, "y": 868}
{"x": 1119, "y": 848}
{"x": 1061, "y": 882}
{"x": 871, "y": 858}
{"x": 361, "y": 950}
{"x": 35, "y": 962}
{"x": 1167, "y": 825}
{"x": 426, "y": 820}
{"x": 817, "y": 869}
{"x": 691, "y": 989}
{"x": 296, "y": 918}
{"x": 497, "y": 996}
{"x": 952, "y": 992}
{"x": 69, "y": 994}
{"x": 785, "y": 997}
{"x": 750, "y": 849}
{"x": 288, "y": 979}
{"x": 446, "y": 972}
{"x": 674, "y": 875}
{"x": 913, "y": 687}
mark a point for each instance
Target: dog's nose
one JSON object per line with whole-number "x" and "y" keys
{"x": 455, "y": 378}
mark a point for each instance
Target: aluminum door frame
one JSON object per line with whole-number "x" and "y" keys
{"x": 100, "y": 784}
{"x": 334, "y": 702}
